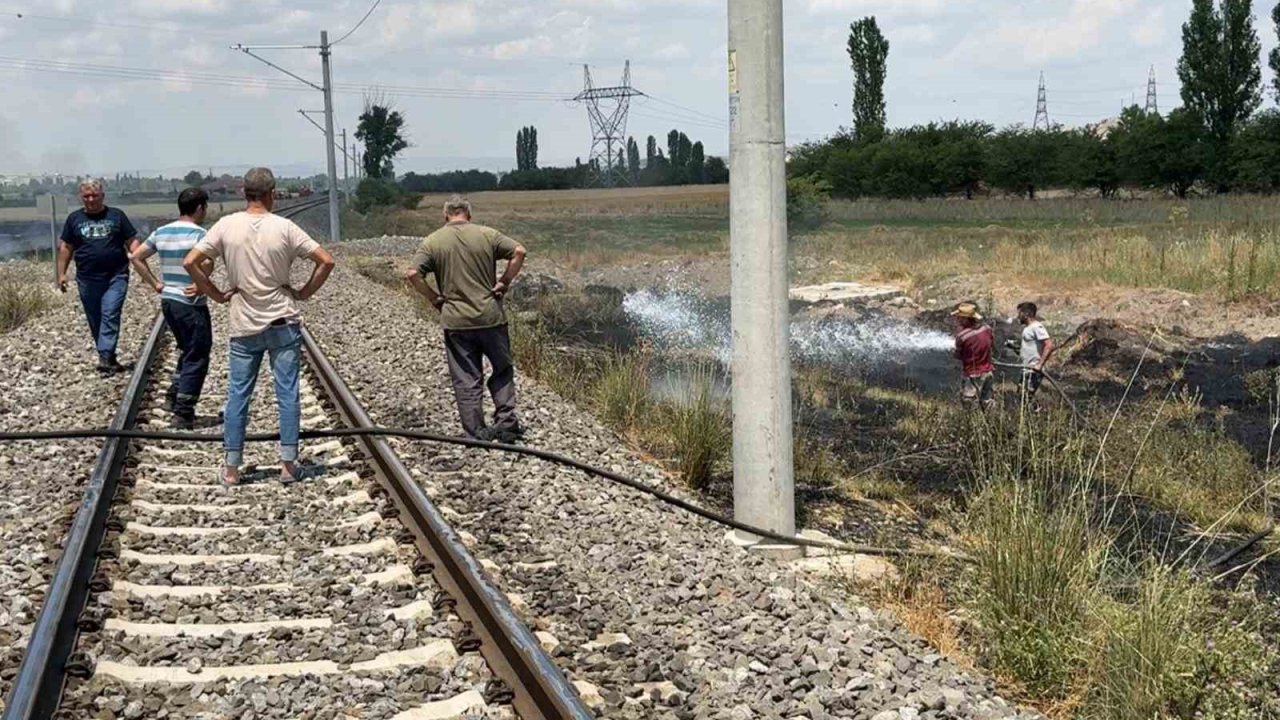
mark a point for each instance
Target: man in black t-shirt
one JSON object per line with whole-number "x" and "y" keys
{"x": 100, "y": 239}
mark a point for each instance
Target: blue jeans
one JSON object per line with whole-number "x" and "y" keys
{"x": 103, "y": 301}
{"x": 283, "y": 343}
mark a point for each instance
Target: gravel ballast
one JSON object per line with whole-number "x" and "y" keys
{"x": 649, "y": 610}
{"x": 650, "y": 606}
{"x": 49, "y": 382}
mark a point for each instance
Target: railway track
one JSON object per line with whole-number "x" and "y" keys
{"x": 344, "y": 595}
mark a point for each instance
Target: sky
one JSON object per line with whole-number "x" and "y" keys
{"x": 467, "y": 74}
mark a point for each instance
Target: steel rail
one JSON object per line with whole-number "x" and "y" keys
{"x": 511, "y": 650}
{"x": 37, "y": 688}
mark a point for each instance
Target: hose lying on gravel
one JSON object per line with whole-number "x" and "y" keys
{"x": 515, "y": 449}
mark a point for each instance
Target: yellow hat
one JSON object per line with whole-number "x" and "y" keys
{"x": 967, "y": 310}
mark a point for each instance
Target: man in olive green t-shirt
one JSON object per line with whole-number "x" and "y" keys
{"x": 463, "y": 257}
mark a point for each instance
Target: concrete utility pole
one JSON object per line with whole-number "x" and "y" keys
{"x": 335, "y": 229}
{"x": 346, "y": 176}
{"x": 763, "y": 486}
{"x": 335, "y": 226}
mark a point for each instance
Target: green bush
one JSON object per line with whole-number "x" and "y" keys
{"x": 376, "y": 193}
{"x": 807, "y": 198}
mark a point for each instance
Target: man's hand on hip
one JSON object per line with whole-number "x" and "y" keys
{"x": 222, "y": 298}
{"x": 500, "y": 289}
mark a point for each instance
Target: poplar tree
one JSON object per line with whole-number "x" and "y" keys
{"x": 1219, "y": 71}
{"x": 1273, "y": 60}
{"x": 633, "y": 158}
{"x": 869, "y": 55}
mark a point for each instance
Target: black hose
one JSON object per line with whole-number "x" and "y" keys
{"x": 85, "y": 434}
{"x": 1050, "y": 378}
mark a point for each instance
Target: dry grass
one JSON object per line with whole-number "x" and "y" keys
{"x": 599, "y": 201}
{"x": 1228, "y": 260}
{"x": 920, "y": 600}
{"x": 20, "y": 300}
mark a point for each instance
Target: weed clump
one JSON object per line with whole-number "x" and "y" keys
{"x": 20, "y": 301}
{"x": 622, "y": 391}
{"x": 700, "y": 432}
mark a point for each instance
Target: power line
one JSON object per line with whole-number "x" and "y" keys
{"x": 83, "y": 20}
{"x": 134, "y": 73}
{"x": 719, "y": 119}
{"x": 375, "y": 5}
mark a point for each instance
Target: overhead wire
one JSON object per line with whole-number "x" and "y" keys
{"x": 265, "y": 82}
{"x": 375, "y": 5}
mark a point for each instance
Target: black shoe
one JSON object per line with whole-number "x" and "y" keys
{"x": 184, "y": 423}
{"x": 504, "y": 435}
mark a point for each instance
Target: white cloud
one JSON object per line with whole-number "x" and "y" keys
{"x": 13, "y": 158}
{"x": 97, "y": 97}
{"x": 884, "y": 7}
{"x": 1046, "y": 38}
{"x": 672, "y": 51}
{"x": 179, "y": 7}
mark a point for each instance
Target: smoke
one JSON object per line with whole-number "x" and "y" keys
{"x": 12, "y": 158}
{"x": 67, "y": 160}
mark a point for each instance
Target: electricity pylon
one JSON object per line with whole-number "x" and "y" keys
{"x": 607, "y": 108}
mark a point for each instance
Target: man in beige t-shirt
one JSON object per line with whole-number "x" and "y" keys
{"x": 258, "y": 250}
{"x": 463, "y": 257}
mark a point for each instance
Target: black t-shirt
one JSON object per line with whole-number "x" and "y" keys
{"x": 100, "y": 241}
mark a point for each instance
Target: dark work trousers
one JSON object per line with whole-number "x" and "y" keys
{"x": 193, "y": 333}
{"x": 467, "y": 350}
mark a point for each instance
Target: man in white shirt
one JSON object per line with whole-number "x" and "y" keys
{"x": 1037, "y": 347}
{"x": 258, "y": 249}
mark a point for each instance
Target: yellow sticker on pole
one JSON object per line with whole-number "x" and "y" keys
{"x": 733, "y": 72}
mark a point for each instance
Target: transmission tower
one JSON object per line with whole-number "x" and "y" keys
{"x": 1042, "y": 108}
{"x": 1152, "y": 107}
{"x": 607, "y": 108}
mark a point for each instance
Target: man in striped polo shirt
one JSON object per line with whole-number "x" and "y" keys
{"x": 185, "y": 309}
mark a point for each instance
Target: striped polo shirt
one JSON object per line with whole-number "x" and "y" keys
{"x": 172, "y": 243}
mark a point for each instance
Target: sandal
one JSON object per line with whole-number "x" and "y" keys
{"x": 289, "y": 478}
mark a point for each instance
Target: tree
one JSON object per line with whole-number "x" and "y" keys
{"x": 1088, "y": 161}
{"x": 717, "y": 172}
{"x": 633, "y": 159}
{"x": 193, "y": 178}
{"x": 651, "y": 151}
{"x": 1255, "y": 154}
{"x": 1153, "y": 152}
{"x": 381, "y": 130}
{"x": 697, "y": 164}
{"x": 869, "y": 54}
{"x": 1220, "y": 74}
{"x": 1025, "y": 161}
{"x": 527, "y": 149}
{"x": 1273, "y": 60}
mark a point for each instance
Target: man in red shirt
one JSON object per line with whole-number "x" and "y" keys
{"x": 973, "y": 348}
